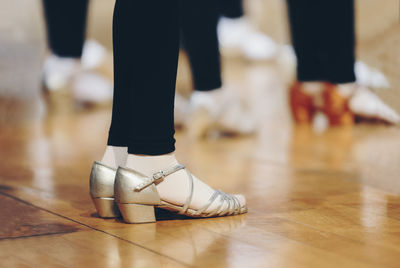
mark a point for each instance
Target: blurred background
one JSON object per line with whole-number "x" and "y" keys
{"x": 23, "y": 47}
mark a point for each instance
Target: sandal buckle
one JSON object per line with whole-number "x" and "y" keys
{"x": 159, "y": 175}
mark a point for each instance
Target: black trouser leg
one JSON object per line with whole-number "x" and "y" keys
{"x": 230, "y": 8}
{"x": 146, "y": 46}
{"x": 66, "y": 26}
{"x": 199, "y": 33}
{"x": 323, "y": 39}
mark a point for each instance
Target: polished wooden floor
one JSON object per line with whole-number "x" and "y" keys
{"x": 326, "y": 199}
{"x": 316, "y": 199}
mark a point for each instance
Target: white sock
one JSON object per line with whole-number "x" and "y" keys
{"x": 226, "y": 111}
{"x": 207, "y": 94}
{"x": 91, "y": 87}
{"x": 314, "y": 89}
{"x": 175, "y": 187}
{"x": 347, "y": 89}
{"x": 115, "y": 156}
{"x": 58, "y": 71}
{"x": 209, "y": 99}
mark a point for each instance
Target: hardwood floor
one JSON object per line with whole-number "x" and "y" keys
{"x": 316, "y": 199}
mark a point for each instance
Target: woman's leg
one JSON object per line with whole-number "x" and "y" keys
{"x": 66, "y": 26}
{"x": 146, "y": 46}
{"x": 323, "y": 39}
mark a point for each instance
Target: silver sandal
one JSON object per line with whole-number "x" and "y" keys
{"x": 137, "y": 196}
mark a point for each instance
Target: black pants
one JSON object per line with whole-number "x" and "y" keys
{"x": 145, "y": 72}
{"x": 199, "y": 37}
{"x": 230, "y": 8}
{"x": 146, "y": 46}
{"x": 66, "y": 26}
{"x": 323, "y": 39}
{"x": 199, "y": 21}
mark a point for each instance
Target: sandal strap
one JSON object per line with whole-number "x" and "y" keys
{"x": 231, "y": 202}
{"x": 228, "y": 209}
{"x": 159, "y": 176}
{"x": 232, "y": 206}
{"x": 189, "y": 198}
{"x": 213, "y": 197}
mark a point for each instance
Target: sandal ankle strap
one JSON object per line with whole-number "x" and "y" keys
{"x": 164, "y": 173}
{"x": 159, "y": 176}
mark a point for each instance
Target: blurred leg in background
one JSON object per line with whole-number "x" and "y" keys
{"x": 324, "y": 44}
{"x": 66, "y": 26}
{"x": 212, "y": 107}
{"x": 72, "y": 61}
{"x": 200, "y": 41}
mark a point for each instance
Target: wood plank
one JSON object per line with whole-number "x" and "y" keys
{"x": 32, "y": 237}
{"x": 21, "y": 220}
{"x": 81, "y": 249}
{"x": 172, "y": 238}
{"x": 360, "y": 225}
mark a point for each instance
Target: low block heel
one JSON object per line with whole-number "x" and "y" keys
{"x": 106, "y": 207}
{"x": 135, "y": 213}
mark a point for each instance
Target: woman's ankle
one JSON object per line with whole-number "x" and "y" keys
{"x": 115, "y": 156}
{"x": 150, "y": 164}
